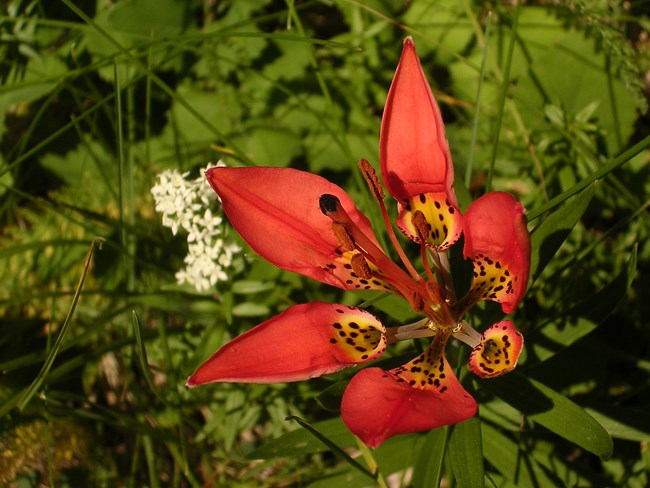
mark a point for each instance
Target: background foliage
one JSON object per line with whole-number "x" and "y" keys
{"x": 545, "y": 100}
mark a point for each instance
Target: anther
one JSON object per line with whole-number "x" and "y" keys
{"x": 343, "y": 236}
{"x": 360, "y": 266}
{"x": 370, "y": 176}
{"x": 421, "y": 225}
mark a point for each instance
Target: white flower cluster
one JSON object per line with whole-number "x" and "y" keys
{"x": 186, "y": 204}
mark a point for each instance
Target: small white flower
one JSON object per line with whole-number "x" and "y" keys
{"x": 193, "y": 206}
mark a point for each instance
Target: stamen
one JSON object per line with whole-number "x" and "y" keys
{"x": 343, "y": 236}
{"x": 414, "y": 326}
{"x": 443, "y": 272}
{"x": 422, "y": 228}
{"x": 372, "y": 181}
{"x": 377, "y": 191}
{"x": 360, "y": 266}
{"x": 331, "y": 206}
{"x": 467, "y": 334}
{"x": 421, "y": 328}
{"x": 416, "y": 334}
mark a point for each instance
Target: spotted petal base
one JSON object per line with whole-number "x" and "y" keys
{"x": 302, "y": 342}
{"x": 498, "y": 351}
{"x": 421, "y": 395}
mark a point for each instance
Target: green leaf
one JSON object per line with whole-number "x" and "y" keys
{"x": 38, "y": 79}
{"x": 40, "y": 378}
{"x": 553, "y": 411}
{"x": 300, "y": 442}
{"x": 250, "y": 309}
{"x": 330, "y": 397}
{"x": 630, "y": 424}
{"x": 575, "y": 323}
{"x": 547, "y": 237}
{"x": 394, "y": 457}
{"x": 250, "y": 287}
{"x": 466, "y": 453}
{"x": 429, "y": 462}
{"x": 514, "y": 464}
{"x": 270, "y": 145}
{"x": 627, "y": 155}
{"x": 333, "y": 446}
{"x": 142, "y": 356}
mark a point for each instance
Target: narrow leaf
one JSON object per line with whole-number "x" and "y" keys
{"x": 430, "y": 461}
{"x": 142, "y": 356}
{"x": 547, "y": 237}
{"x": 575, "y": 323}
{"x": 504, "y": 454}
{"x": 553, "y": 411}
{"x": 466, "y": 453}
{"x": 38, "y": 381}
{"x": 333, "y": 446}
{"x": 300, "y": 442}
{"x": 602, "y": 171}
{"x": 631, "y": 424}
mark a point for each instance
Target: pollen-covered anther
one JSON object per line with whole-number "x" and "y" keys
{"x": 372, "y": 180}
{"x": 343, "y": 236}
{"x": 360, "y": 266}
{"x": 357, "y": 276}
{"x": 498, "y": 351}
{"x": 421, "y": 226}
{"x": 443, "y": 220}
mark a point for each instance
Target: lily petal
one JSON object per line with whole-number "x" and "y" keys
{"x": 276, "y": 211}
{"x": 421, "y": 395}
{"x": 498, "y": 243}
{"x": 415, "y": 158}
{"x": 498, "y": 351}
{"x": 304, "y": 341}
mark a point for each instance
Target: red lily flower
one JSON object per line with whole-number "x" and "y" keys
{"x": 303, "y": 223}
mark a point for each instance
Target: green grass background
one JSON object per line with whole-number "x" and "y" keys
{"x": 546, "y": 100}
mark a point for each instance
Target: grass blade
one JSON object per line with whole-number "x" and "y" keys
{"x": 335, "y": 449}
{"x": 38, "y": 381}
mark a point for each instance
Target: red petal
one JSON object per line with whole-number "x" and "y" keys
{"x": 498, "y": 243}
{"x": 498, "y": 351}
{"x": 276, "y": 211}
{"x": 414, "y": 153}
{"x": 420, "y": 395}
{"x": 302, "y": 342}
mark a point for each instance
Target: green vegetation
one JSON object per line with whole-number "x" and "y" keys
{"x": 545, "y": 100}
